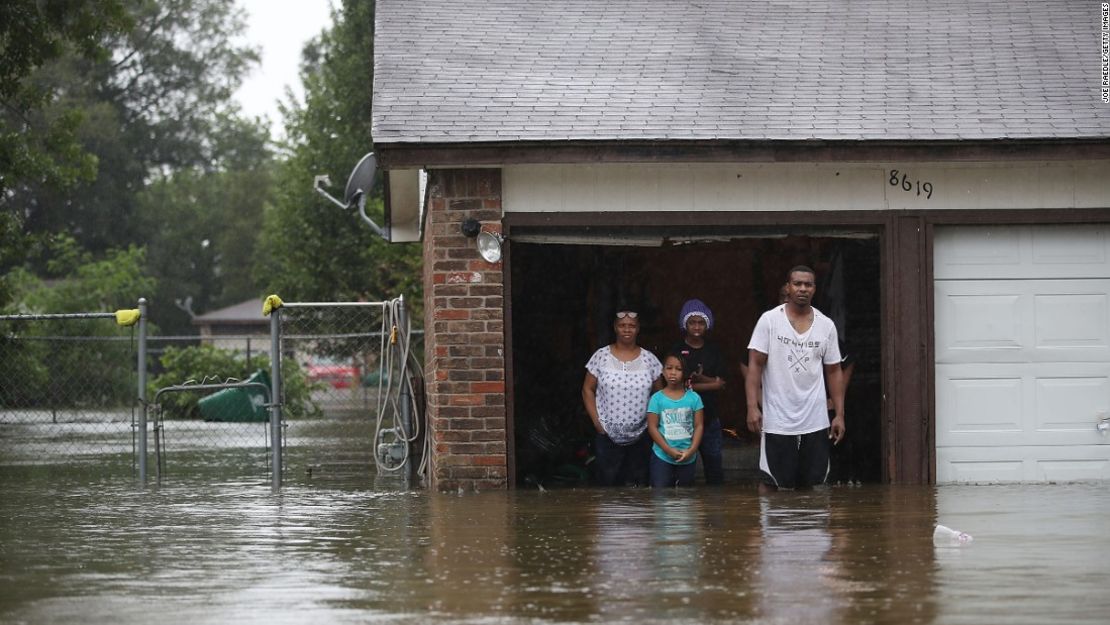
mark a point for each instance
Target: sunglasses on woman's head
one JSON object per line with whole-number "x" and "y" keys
{"x": 627, "y": 313}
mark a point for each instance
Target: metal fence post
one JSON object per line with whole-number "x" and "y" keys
{"x": 141, "y": 365}
{"x": 275, "y": 397}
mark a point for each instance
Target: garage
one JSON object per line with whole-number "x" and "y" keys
{"x": 564, "y": 283}
{"x": 1022, "y": 353}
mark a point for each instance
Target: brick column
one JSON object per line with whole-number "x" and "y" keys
{"x": 464, "y": 334}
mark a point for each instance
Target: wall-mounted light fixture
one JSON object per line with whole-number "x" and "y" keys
{"x": 488, "y": 241}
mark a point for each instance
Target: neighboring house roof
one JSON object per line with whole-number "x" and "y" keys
{"x": 243, "y": 313}
{"x": 458, "y": 71}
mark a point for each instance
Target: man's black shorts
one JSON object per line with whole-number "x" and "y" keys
{"x": 795, "y": 460}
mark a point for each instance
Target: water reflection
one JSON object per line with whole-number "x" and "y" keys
{"x": 468, "y": 556}
{"x": 794, "y": 547}
{"x": 882, "y": 544}
{"x": 213, "y": 551}
{"x": 624, "y": 531}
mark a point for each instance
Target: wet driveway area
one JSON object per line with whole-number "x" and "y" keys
{"x": 74, "y": 549}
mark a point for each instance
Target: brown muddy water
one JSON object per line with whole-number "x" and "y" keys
{"x": 75, "y": 549}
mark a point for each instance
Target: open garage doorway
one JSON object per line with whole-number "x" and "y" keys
{"x": 563, "y": 290}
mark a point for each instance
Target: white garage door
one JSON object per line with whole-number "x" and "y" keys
{"x": 1022, "y": 353}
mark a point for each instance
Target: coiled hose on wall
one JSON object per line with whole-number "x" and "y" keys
{"x": 398, "y": 367}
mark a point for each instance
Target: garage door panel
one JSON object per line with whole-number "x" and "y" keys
{"x": 974, "y": 322}
{"x": 1081, "y": 249}
{"x": 1021, "y": 252}
{"x": 968, "y": 252}
{"x": 1030, "y": 404}
{"x": 1066, "y": 320}
{"x": 1073, "y": 470}
{"x": 1072, "y": 405}
{"x": 999, "y": 321}
{"x": 980, "y": 464}
{"x": 976, "y": 406}
{"x": 1023, "y": 464}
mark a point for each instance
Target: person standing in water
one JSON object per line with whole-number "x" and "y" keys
{"x": 675, "y": 422}
{"x": 705, "y": 371}
{"x": 792, "y": 351}
{"x": 619, "y": 380}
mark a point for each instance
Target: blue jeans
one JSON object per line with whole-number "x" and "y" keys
{"x": 710, "y": 451}
{"x": 618, "y": 465}
{"x": 667, "y": 475}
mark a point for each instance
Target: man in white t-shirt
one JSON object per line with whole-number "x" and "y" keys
{"x": 792, "y": 352}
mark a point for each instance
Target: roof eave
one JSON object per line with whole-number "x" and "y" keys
{"x": 393, "y": 155}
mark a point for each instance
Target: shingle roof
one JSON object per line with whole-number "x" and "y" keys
{"x": 452, "y": 71}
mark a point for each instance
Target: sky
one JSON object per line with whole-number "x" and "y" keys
{"x": 279, "y": 28}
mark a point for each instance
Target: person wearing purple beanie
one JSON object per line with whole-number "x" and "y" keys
{"x": 706, "y": 366}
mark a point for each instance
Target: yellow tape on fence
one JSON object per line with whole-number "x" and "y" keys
{"x": 270, "y": 304}
{"x": 127, "y": 317}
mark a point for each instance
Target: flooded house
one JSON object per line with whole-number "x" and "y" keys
{"x": 946, "y": 171}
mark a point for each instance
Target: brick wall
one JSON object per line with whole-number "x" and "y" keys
{"x": 465, "y": 339}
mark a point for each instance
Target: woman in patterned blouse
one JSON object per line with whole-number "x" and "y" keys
{"x": 620, "y": 378}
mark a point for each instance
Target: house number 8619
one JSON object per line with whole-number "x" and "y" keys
{"x": 908, "y": 185}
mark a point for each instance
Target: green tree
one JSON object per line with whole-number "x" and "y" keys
{"x": 203, "y": 226}
{"x": 14, "y": 248}
{"x": 80, "y": 282}
{"x": 154, "y": 104}
{"x": 310, "y": 249}
{"x": 38, "y": 142}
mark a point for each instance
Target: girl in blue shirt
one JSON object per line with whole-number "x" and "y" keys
{"x": 674, "y": 418}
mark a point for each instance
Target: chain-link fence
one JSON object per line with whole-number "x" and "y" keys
{"x": 195, "y": 423}
{"x": 341, "y": 387}
{"x": 68, "y": 389}
{"x": 225, "y": 424}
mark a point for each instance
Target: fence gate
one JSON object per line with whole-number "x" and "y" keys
{"x": 232, "y": 434}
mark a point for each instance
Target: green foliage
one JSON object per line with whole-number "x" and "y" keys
{"x": 84, "y": 284}
{"x": 206, "y": 363}
{"x": 120, "y": 129}
{"x": 35, "y": 31}
{"x": 94, "y": 371}
{"x": 203, "y": 228}
{"x": 310, "y": 249}
{"x": 38, "y": 141}
{"x": 156, "y": 101}
{"x": 42, "y": 371}
{"x": 133, "y": 109}
{"x": 25, "y": 371}
{"x": 14, "y": 248}
{"x": 201, "y": 364}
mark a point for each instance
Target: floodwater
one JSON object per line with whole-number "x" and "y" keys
{"x": 195, "y": 550}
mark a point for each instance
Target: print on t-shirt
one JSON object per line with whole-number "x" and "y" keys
{"x": 800, "y": 356}
{"x": 678, "y": 423}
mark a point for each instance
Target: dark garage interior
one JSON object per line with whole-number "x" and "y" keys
{"x": 563, "y": 292}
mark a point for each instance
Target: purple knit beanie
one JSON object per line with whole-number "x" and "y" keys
{"x": 695, "y": 307}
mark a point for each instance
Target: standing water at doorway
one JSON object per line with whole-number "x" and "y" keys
{"x": 219, "y": 550}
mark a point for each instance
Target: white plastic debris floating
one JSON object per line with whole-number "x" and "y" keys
{"x": 944, "y": 535}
